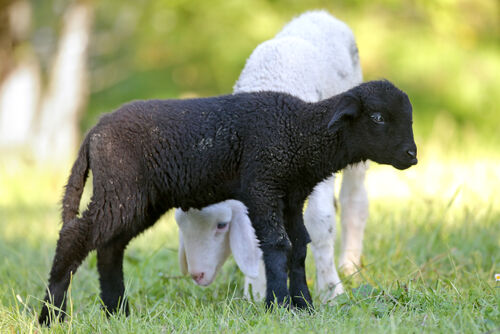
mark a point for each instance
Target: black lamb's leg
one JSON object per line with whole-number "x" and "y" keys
{"x": 275, "y": 261}
{"x": 110, "y": 267}
{"x": 299, "y": 237}
{"x": 72, "y": 248}
{"x": 267, "y": 219}
{"x": 110, "y": 253}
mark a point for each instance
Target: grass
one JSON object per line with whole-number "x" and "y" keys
{"x": 431, "y": 253}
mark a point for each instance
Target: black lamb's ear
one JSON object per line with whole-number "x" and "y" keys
{"x": 348, "y": 106}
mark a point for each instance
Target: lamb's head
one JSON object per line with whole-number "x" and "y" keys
{"x": 208, "y": 236}
{"x": 378, "y": 119}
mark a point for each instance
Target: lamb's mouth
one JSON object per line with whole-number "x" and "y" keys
{"x": 205, "y": 282}
{"x": 406, "y": 164}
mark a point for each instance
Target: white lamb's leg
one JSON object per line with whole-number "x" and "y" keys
{"x": 320, "y": 222}
{"x": 354, "y": 214}
{"x": 258, "y": 284}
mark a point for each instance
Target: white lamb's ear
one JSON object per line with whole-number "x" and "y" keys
{"x": 182, "y": 255}
{"x": 243, "y": 241}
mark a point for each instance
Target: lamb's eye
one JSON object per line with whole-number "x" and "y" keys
{"x": 221, "y": 226}
{"x": 377, "y": 118}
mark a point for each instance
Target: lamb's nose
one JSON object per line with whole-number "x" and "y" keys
{"x": 412, "y": 153}
{"x": 197, "y": 277}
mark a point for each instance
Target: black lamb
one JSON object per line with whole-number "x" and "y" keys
{"x": 266, "y": 149}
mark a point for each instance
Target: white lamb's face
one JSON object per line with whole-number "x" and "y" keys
{"x": 204, "y": 241}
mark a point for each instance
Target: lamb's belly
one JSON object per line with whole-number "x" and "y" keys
{"x": 206, "y": 193}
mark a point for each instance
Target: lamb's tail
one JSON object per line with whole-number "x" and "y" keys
{"x": 76, "y": 183}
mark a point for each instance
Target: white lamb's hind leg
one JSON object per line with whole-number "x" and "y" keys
{"x": 320, "y": 222}
{"x": 258, "y": 284}
{"x": 354, "y": 214}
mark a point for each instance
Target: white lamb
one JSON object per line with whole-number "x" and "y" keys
{"x": 314, "y": 57}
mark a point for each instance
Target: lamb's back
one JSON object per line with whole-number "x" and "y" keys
{"x": 313, "y": 57}
{"x": 186, "y": 145}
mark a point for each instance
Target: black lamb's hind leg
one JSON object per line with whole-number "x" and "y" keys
{"x": 72, "y": 248}
{"x": 301, "y": 297}
{"x": 110, "y": 267}
{"x": 111, "y": 252}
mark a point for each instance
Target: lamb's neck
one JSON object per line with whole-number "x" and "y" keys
{"x": 325, "y": 151}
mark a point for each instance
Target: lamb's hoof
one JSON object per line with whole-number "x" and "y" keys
{"x": 275, "y": 303}
{"x": 44, "y": 318}
{"x": 121, "y": 308}
{"x": 333, "y": 291}
{"x": 302, "y": 303}
{"x": 47, "y": 317}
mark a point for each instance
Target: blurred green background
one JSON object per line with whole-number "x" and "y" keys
{"x": 444, "y": 53}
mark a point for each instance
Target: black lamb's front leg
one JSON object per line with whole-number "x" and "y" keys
{"x": 267, "y": 219}
{"x": 275, "y": 261}
{"x": 299, "y": 237}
